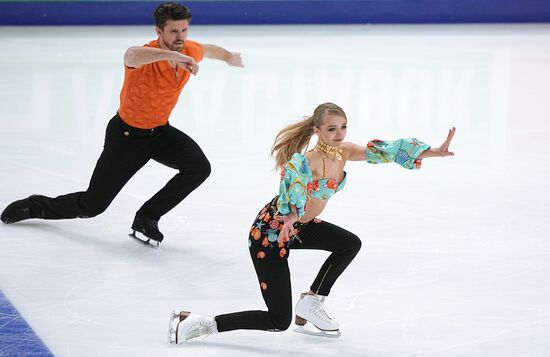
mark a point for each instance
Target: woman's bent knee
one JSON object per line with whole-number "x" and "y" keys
{"x": 353, "y": 245}
{"x": 206, "y": 169}
{"x": 281, "y": 323}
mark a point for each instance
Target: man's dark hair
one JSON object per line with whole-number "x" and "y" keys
{"x": 171, "y": 11}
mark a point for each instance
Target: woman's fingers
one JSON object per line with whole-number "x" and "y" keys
{"x": 287, "y": 229}
{"x": 445, "y": 146}
{"x": 283, "y": 234}
{"x": 451, "y": 135}
{"x": 280, "y": 237}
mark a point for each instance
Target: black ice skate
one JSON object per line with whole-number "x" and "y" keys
{"x": 149, "y": 228}
{"x": 16, "y": 211}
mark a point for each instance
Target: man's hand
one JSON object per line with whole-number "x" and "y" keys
{"x": 235, "y": 60}
{"x": 219, "y": 53}
{"x": 186, "y": 62}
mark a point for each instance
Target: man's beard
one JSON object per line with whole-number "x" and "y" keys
{"x": 174, "y": 47}
{"x": 177, "y": 47}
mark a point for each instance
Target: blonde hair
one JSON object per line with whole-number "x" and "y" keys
{"x": 295, "y": 137}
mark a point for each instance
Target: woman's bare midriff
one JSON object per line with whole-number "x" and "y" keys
{"x": 314, "y": 208}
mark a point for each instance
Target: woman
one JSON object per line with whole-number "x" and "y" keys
{"x": 289, "y": 222}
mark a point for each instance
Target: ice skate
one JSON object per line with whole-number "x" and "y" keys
{"x": 310, "y": 309}
{"x": 186, "y": 325}
{"x": 172, "y": 327}
{"x": 16, "y": 211}
{"x": 149, "y": 231}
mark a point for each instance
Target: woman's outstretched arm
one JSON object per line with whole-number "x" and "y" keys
{"x": 406, "y": 152}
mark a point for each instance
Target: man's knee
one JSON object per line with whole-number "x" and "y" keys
{"x": 91, "y": 209}
{"x": 92, "y": 212}
{"x": 200, "y": 170}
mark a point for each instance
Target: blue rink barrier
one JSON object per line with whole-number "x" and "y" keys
{"x": 16, "y": 336}
{"x": 279, "y": 12}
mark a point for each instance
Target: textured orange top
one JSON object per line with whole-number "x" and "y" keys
{"x": 150, "y": 92}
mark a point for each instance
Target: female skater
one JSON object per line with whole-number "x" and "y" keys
{"x": 289, "y": 222}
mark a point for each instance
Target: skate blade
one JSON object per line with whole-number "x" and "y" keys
{"x": 151, "y": 243}
{"x": 318, "y": 333}
{"x": 173, "y": 327}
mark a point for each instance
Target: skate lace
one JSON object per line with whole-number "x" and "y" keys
{"x": 319, "y": 310}
{"x": 199, "y": 328}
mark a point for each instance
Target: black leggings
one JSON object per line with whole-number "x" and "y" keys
{"x": 127, "y": 149}
{"x": 271, "y": 265}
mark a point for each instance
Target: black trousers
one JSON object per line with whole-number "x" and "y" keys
{"x": 126, "y": 150}
{"x": 270, "y": 261}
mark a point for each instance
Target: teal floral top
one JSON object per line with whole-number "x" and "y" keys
{"x": 297, "y": 185}
{"x": 405, "y": 152}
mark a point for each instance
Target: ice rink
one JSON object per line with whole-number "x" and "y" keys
{"x": 455, "y": 258}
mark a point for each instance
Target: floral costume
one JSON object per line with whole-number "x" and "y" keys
{"x": 270, "y": 256}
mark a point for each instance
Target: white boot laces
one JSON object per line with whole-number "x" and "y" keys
{"x": 199, "y": 328}
{"x": 319, "y": 309}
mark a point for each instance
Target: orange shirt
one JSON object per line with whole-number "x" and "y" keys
{"x": 150, "y": 92}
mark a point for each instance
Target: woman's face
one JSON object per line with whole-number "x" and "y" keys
{"x": 333, "y": 129}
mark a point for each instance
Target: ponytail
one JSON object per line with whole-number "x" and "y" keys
{"x": 293, "y": 138}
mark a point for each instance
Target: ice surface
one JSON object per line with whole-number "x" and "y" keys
{"x": 455, "y": 258}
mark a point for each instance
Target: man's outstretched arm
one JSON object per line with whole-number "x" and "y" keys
{"x": 218, "y": 53}
{"x": 138, "y": 56}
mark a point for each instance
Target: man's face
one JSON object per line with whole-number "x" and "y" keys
{"x": 173, "y": 35}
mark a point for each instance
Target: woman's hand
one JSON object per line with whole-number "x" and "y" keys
{"x": 443, "y": 150}
{"x": 288, "y": 229}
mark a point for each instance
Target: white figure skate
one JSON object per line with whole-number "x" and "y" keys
{"x": 310, "y": 309}
{"x": 186, "y": 325}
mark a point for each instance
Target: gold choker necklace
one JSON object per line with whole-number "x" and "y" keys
{"x": 329, "y": 149}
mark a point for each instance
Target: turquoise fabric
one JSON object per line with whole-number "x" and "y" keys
{"x": 404, "y": 152}
{"x": 297, "y": 184}
{"x": 296, "y": 177}
{"x": 325, "y": 188}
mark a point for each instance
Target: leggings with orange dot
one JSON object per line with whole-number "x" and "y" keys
{"x": 274, "y": 276}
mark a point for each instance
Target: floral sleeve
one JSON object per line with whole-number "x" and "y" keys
{"x": 405, "y": 152}
{"x": 295, "y": 185}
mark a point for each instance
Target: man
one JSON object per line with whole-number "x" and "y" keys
{"x": 155, "y": 75}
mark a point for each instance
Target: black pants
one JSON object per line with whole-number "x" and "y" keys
{"x": 271, "y": 265}
{"x": 126, "y": 150}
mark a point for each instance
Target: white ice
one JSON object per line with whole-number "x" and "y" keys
{"x": 455, "y": 258}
